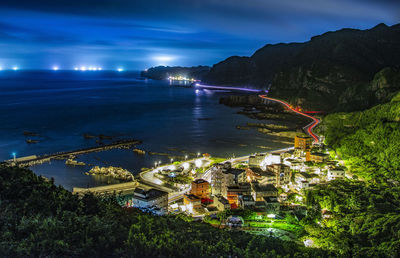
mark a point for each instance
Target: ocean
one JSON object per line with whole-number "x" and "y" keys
{"x": 58, "y": 107}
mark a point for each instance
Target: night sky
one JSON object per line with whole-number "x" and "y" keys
{"x": 40, "y": 34}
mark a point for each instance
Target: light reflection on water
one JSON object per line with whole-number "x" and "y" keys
{"x": 60, "y": 107}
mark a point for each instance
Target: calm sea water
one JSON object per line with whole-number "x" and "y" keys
{"x": 61, "y": 106}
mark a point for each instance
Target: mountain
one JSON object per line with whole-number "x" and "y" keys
{"x": 348, "y": 69}
{"x": 163, "y": 72}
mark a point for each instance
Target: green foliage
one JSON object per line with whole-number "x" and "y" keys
{"x": 369, "y": 141}
{"x": 365, "y": 220}
{"x": 38, "y": 218}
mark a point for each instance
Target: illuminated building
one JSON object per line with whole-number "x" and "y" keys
{"x": 152, "y": 200}
{"x": 191, "y": 202}
{"x": 255, "y": 160}
{"x": 222, "y": 177}
{"x": 303, "y": 142}
{"x": 335, "y": 174}
{"x": 235, "y": 191}
{"x": 200, "y": 188}
{"x": 319, "y": 157}
{"x": 221, "y": 203}
{"x": 282, "y": 173}
{"x": 259, "y": 191}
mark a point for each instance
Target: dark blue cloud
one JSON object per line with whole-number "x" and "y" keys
{"x": 137, "y": 34}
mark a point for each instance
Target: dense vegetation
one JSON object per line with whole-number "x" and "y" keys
{"x": 369, "y": 141}
{"x": 38, "y": 218}
{"x": 365, "y": 220}
{"x": 365, "y": 215}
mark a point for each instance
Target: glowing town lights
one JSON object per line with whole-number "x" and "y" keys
{"x": 15, "y": 68}
{"x": 198, "y": 163}
{"x": 99, "y": 68}
{"x": 90, "y": 68}
{"x": 76, "y": 68}
{"x": 1, "y": 68}
{"x": 120, "y": 70}
{"x": 83, "y": 68}
{"x": 55, "y": 68}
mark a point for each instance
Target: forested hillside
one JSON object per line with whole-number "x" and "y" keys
{"x": 39, "y": 219}
{"x": 369, "y": 141}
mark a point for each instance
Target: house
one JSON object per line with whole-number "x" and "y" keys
{"x": 255, "y": 160}
{"x": 318, "y": 157}
{"x": 287, "y": 154}
{"x": 335, "y": 174}
{"x": 271, "y": 158}
{"x": 268, "y": 177}
{"x": 200, "y": 188}
{"x": 234, "y": 191}
{"x": 152, "y": 200}
{"x": 303, "y": 142}
{"x": 282, "y": 173}
{"x": 246, "y": 201}
{"x": 294, "y": 164}
{"x": 257, "y": 174}
{"x": 221, "y": 203}
{"x": 222, "y": 178}
{"x": 259, "y": 191}
{"x": 283, "y": 197}
{"x": 272, "y": 204}
{"x": 191, "y": 202}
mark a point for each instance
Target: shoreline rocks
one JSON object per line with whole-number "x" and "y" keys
{"x": 115, "y": 172}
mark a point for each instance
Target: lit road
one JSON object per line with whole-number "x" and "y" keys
{"x": 308, "y": 127}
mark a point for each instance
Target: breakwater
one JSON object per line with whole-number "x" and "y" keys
{"x": 34, "y": 160}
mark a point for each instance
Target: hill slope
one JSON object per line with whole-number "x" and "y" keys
{"x": 368, "y": 140}
{"x": 326, "y": 72}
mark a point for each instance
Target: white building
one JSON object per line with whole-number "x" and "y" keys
{"x": 153, "y": 200}
{"x": 335, "y": 174}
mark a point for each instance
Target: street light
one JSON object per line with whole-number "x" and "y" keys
{"x": 172, "y": 160}
{"x": 14, "y": 156}
{"x": 198, "y": 154}
{"x": 186, "y": 157}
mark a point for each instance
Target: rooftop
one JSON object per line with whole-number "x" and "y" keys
{"x": 149, "y": 195}
{"x": 200, "y": 181}
{"x": 263, "y": 188}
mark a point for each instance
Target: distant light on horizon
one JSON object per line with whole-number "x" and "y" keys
{"x": 76, "y": 68}
{"x": 120, "y": 69}
{"x": 83, "y": 68}
{"x": 1, "y": 68}
{"x": 55, "y": 68}
{"x": 15, "y": 68}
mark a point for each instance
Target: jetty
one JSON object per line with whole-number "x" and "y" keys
{"x": 34, "y": 159}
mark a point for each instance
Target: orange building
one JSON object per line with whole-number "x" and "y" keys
{"x": 200, "y": 188}
{"x": 303, "y": 142}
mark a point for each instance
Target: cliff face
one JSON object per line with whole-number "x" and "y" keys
{"x": 328, "y": 72}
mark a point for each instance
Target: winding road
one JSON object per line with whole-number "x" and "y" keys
{"x": 308, "y": 128}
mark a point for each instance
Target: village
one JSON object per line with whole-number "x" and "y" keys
{"x": 263, "y": 192}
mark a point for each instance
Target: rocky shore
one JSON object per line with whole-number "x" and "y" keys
{"x": 115, "y": 172}
{"x": 284, "y": 124}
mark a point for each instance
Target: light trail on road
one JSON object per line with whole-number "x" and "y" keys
{"x": 309, "y": 127}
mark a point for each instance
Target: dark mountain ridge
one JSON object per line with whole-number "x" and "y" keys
{"x": 327, "y": 73}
